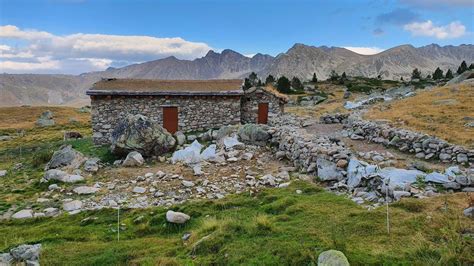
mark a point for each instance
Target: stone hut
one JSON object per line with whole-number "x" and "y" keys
{"x": 258, "y": 103}
{"x": 184, "y": 105}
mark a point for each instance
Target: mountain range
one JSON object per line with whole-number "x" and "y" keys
{"x": 300, "y": 60}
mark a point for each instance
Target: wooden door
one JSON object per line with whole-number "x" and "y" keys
{"x": 170, "y": 119}
{"x": 262, "y": 113}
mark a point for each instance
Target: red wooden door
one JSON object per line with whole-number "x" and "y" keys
{"x": 170, "y": 119}
{"x": 262, "y": 113}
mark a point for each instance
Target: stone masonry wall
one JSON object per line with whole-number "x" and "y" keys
{"x": 424, "y": 146}
{"x": 195, "y": 113}
{"x": 249, "y": 106}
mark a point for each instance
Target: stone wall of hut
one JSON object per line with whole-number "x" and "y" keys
{"x": 249, "y": 105}
{"x": 195, "y": 113}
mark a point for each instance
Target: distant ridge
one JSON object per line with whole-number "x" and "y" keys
{"x": 300, "y": 60}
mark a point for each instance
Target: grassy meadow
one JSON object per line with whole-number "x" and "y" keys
{"x": 274, "y": 227}
{"x": 442, "y": 112}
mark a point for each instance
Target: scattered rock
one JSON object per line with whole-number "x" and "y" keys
{"x": 469, "y": 212}
{"x": 84, "y": 190}
{"x": 66, "y": 158}
{"x": 72, "y": 205}
{"x": 177, "y": 217}
{"x": 332, "y": 258}
{"x": 233, "y": 143}
{"x": 327, "y": 170}
{"x": 59, "y": 175}
{"x": 254, "y": 134}
{"x": 134, "y": 158}
{"x": 139, "y": 190}
{"x": 3, "y": 173}
{"x": 92, "y": 165}
{"x": 23, "y": 214}
{"x": 180, "y": 138}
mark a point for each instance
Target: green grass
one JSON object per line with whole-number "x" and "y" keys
{"x": 277, "y": 227}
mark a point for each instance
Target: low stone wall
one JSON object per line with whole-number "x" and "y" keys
{"x": 423, "y": 145}
{"x": 333, "y": 118}
{"x": 195, "y": 113}
{"x": 321, "y": 155}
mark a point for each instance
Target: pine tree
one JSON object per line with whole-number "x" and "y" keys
{"x": 401, "y": 78}
{"x": 333, "y": 76}
{"x": 438, "y": 74}
{"x": 471, "y": 66}
{"x": 343, "y": 76}
{"x": 296, "y": 83}
{"x": 269, "y": 80}
{"x": 283, "y": 85}
{"x": 253, "y": 78}
{"x": 462, "y": 67}
{"x": 416, "y": 74}
{"x": 449, "y": 74}
{"x": 247, "y": 84}
{"x": 314, "y": 79}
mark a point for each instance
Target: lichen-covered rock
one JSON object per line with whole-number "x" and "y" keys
{"x": 139, "y": 133}
{"x": 254, "y": 134}
{"x": 26, "y": 252}
{"x": 332, "y": 258}
{"x": 66, "y": 158}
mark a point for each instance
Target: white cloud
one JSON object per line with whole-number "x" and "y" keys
{"x": 365, "y": 50}
{"x": 99, "y": 51}
{"x": 42, "y": 63}
{"x": 454, "y": 29}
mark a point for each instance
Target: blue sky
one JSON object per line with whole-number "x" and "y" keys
{"x": 75, "y": 36}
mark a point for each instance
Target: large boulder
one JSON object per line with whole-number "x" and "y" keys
{"x": 254, "y": 134}
{"x": 66, "y": 158}
{"x": 332, "y": 258}
{"x": 139, "y": 133}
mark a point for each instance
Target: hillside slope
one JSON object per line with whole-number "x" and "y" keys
{"x": 300, "y": 60}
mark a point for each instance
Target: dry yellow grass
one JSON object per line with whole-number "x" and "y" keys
{"x": 334, "y": 103}
{"x": 442, "y": 112}
{"x": 25, "y": 117}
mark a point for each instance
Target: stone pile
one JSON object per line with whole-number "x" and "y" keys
{"x": 22, "y": 255}
{"x": 310, "y": 153}
{"x": 336, "y": 118}
{"x": 422, "y": 145}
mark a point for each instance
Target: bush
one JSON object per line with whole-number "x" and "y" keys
{"x": 41, "y": 157}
